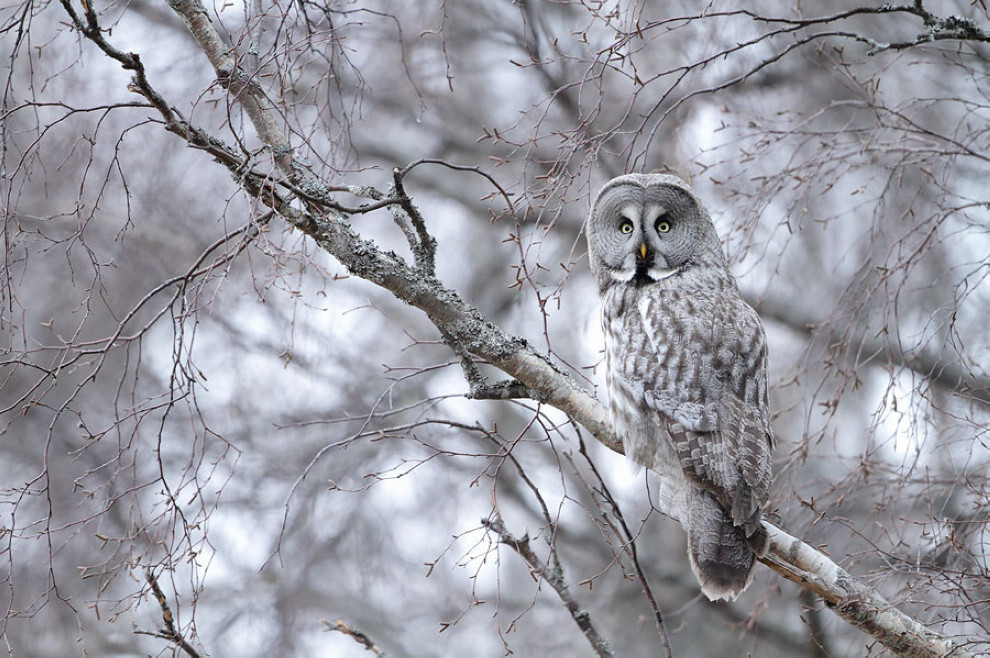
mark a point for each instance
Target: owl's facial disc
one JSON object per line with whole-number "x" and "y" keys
{"x": 629, "y": 233}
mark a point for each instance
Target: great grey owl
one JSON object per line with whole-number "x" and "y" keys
{"x": 686, "y": 370}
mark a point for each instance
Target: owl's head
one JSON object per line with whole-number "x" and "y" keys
{"x": 648, "y": 227}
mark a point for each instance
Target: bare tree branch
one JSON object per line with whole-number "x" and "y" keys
{"x": 551, "y": 573}
{"x": 358, "y": 636}
{"x": 628, "y": 540}
{"x": 169, "y": 632}
{"x": 851, "y": 599}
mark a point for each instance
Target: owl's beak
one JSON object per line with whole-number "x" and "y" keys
{"x": 642, "y": 250}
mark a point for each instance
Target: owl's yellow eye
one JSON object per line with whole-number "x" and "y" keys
{"x": 626, "y": 227}
{"x": 663, "y": 227}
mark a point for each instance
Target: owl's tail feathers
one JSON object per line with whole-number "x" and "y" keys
{"x": 720, "y": 554}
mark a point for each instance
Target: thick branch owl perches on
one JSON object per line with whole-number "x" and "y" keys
{"x": 686, "y": 370}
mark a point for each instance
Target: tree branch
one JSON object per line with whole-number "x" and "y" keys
{"x": 627, "y": 538}
{"x": 356, "y": 635}
{"x": 169, "y": 632}
{"x": 552, "y": 574}
{"x": 857, "y": 603}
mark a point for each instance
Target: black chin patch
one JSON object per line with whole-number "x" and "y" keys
{"x": 642, "y": 275}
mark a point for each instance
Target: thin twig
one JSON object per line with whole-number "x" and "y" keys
{"x": 553, "y": 576}
{"x": 473, "y": 169}
{"x": 628, "y": 540}
{"x": 169, "y": 632}
{"x": 358, "y": 636}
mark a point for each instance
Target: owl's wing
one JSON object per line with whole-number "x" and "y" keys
{"x": 710, "y": 387}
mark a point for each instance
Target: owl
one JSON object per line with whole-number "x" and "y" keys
{"x": 686, "y": 370}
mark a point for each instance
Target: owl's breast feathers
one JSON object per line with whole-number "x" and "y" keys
{"x": 698, "y": 359}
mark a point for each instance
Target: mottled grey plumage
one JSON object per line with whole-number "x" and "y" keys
{"x": 685, "y": 369}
